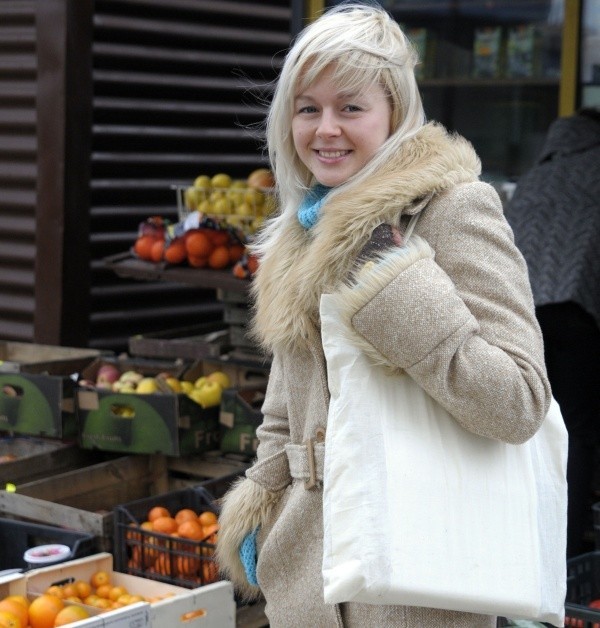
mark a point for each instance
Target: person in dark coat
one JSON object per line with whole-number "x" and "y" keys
{"x": 555, "y": 216}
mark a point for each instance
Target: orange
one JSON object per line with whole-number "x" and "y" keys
{"x": 70, "y": 614}
{"x": 116, "y": 592}
{"x": 175, "y": 253}
{"x": 236, "y": 251}
{"x": 43, "y": 611}
{"x": 17, "y": 609}
{"x": 143, "y": 245}
{"x": 198, "y": 244}
{"x": 219, "y": 258}
{"x": 166, "y": 525}
{"x": 103, "y": 590}
{"x": 156, "y": 512}
{"x": 218, "y": 238}
{"x": 21, "y": 599}
{"x": 83, "y": 588}
{"x": 207, "y": 518}
{"x": 99, "y": 578}
{"x": 69, "y": 590}
{"x": 55, "y": 589}
{"x": 197, "y": 262}
{"x": 157, "y": 251}
{"x": 10, "y": 620}
{"x": 191, "y": 530}
{"x": 185, "y": 514}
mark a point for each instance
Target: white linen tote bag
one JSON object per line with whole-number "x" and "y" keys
{"x": 420, "y": 512}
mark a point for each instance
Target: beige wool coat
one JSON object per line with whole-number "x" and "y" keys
{"x": 453, "y": 309}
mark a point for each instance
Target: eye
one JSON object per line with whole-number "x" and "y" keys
{"x": 352, "y": 108}
{"x": 307, "y": 109}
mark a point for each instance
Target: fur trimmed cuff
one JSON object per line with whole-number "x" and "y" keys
{"x": 244, "y": 508}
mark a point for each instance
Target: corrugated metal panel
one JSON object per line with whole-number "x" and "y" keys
{"x": 174, "y": 95}
{"x": 18, "y": 147}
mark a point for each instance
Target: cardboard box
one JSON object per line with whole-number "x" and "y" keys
{"x": 239, "y": 417}
{"x": 216, "y": 600}
{"x": 37, "y": 389}
{"x": 162, "y": 422}
{"x": 84, "y": 499}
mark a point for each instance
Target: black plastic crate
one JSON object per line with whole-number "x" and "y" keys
{"x": 583, "y": 587}
{"x": 164, "y": 557}
{"x": 16, "y": 537}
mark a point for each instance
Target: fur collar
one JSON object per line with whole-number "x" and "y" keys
{"x": 305, "y": 264}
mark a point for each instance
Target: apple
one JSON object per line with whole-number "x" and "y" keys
{"x": 131, "y": 376}
{"x": 208, "y": 395}
{"x": 107, "y": 374}
{"x": 261, "y": 178}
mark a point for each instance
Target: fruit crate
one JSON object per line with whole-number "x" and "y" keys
{"x": 16, "y": 537}
{"x": 583, "y": 589}
{"x": 159, "y": 556}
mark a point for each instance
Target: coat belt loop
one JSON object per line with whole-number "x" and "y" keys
{"x": 311, "y": 481}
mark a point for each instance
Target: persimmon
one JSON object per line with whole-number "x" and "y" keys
{"x": 198, "y": 244}
{"x": 219, "y": 258}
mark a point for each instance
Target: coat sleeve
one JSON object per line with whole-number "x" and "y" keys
{"x": 456, "y": 314}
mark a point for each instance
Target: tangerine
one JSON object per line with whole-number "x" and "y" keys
{"x": 175, "y": 253}
{"x": 116, "y": 592}
{"x": 83, "y": 588}
{"x": 219, "y": 258}
{"x": 185, "y": 514}
{"x": 156, "y": 512}
{"x": 103, "y": 590}
{"x": 70, "y": 614}
{"x": 43, "y": 611}
{"x": 207, "y": 518}
{"x": 191, "y": 530}
{"x": 166, "y": 525}
{"x": 198, "y": 244}
{"x": 143, "y": 247}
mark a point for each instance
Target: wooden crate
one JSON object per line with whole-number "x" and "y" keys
{"x": 83, "y": 499}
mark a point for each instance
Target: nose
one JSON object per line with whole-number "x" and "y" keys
{"x": 328, "y": 125}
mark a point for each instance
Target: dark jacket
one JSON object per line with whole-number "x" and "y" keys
{"x": 555, "y": 216}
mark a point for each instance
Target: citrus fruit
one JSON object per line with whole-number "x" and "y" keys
{"x": 185, "y": 514}
{"x": 157, "y": 251}
{"x": 99, "y": 578}
{"x": 219, "y": 258}
{"x": 198, "y": 244}
{"x": 70, "y": 614}
{"x": 143, "y": 247}
{"x": 10, "y": 620}
{"x": 175, "y": 253}
{"x": 191, "y": 530}
{"x": 197, "y": 262}
{"x": 158, "y": 511}
{"x": 83, "y": 588}
{"x": 103, "y": 590}
{"x": 17, "y": 609}
{"x": 116, "y": 592}
{"x": 43, "y": 611}
{"x": 166, "y": 525}
{"x": 207, "y": 518}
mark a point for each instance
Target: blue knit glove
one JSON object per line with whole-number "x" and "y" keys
{"x": 248, "y": 556}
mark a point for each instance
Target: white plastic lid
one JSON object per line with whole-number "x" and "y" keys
{"x": 46, "y": 554}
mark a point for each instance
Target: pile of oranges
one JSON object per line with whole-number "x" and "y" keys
{"x": 64, "y": 604}
{"x": 200, "y": 248}
{"x": 178, "y": 545}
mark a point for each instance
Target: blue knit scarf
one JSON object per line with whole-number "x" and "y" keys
{"x": 308, "y": 212}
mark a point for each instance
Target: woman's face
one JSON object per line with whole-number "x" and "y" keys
{"x": 336, "y": 132}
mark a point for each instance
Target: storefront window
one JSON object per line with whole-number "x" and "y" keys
{"x": 590, "y": 54}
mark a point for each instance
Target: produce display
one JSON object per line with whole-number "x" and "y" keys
{"x": 217, "y": 217}
{"x": 206, "y": 390}
{"x": 178, "y": 545}
{"x": 63, "y": 604}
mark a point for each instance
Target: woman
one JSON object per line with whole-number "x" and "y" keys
{"x": 354, "y": 160}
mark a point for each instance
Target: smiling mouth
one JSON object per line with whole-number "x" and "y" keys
{"x": 332, "y": 154}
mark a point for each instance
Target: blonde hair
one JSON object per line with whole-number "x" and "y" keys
{"x": 365, "y": 45}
